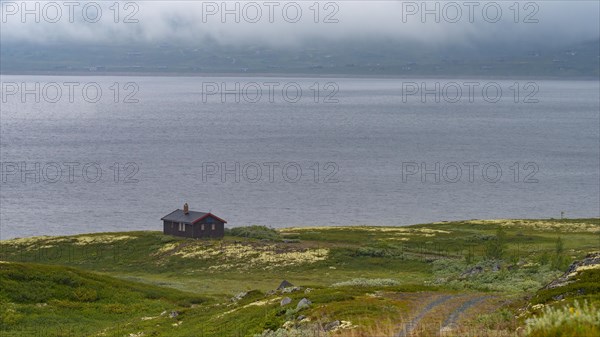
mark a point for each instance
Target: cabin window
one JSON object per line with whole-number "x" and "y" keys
{"x": 181, "y": 227}
{"x": 202, "y": 227}
{"x": 214, "y": 227}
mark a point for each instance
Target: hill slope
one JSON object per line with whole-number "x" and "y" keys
{"x": 459, "y": 278}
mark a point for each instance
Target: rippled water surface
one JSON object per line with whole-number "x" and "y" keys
{"x": 357, "y": 156}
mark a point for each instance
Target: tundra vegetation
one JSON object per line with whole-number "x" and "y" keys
{"x": 463, "y": 278}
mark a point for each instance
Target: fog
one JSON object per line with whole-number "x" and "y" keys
{"x": 288, "y": 24}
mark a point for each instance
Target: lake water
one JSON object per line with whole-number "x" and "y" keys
{"x": 369, "y": 141}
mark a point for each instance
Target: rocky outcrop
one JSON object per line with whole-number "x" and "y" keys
{"x": 591, "y": 261}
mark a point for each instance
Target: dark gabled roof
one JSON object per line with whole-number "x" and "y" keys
{"x": 191, "y": 217}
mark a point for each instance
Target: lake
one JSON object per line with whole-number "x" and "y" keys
{"x": 110, "y": 153}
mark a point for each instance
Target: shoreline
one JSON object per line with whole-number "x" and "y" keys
{"x": 297, "y": 75}
{"x": 441, "y": 222}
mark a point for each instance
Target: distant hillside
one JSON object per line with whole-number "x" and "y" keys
{"x": 363, "y": 58}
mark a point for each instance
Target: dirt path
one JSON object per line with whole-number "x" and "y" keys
{"x": 450, "y": 322}
{"x": 412, "y": 324}
{"x": 452, "y": 318}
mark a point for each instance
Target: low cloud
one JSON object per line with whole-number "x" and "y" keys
{"x": 285, "y": 24}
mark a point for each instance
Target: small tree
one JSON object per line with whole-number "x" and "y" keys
{"x": 470, "y": 255}
{"x": 544, "y": 258}
{"x": 496, "y": 246}
{"x": 558, "y": 248}
{"x": 559, "y": 261}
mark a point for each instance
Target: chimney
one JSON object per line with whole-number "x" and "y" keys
{"x": 186, "y": 210}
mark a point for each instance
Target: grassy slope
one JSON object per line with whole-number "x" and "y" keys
{"x": 426, "y": 260}
{"x": 54, "y": 300}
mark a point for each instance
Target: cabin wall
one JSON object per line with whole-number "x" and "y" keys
{"x": 167, "y": 228}
{"x": 208, "y": 232}
{"x": 195, "y": 230}
{"x": 172, "y": 228}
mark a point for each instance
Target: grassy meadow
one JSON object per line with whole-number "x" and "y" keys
{"x": 466, "y": 278}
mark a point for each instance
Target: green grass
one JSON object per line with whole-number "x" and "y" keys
{"x": 58, "y": 299}
{"x": 107, "y": 282}
{"x": 577, "y": 319}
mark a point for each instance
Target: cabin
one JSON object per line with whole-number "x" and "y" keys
{"x": 192, "y": 224}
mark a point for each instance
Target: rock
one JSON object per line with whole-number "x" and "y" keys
{"x": 590, "y": 260}
{"x": 301, "y": 317}
{"x": 445, "y": 330}
{"x": 307, "y": 290}
{"x": 284, "y": 284}
{"x": 174, "y": 314}
{"x": 304, "y": 303}
{"x": 331, "y": 326}
{"x": 473, "y": 271}
{"x": 285, "y": 301}
{"x": 496, "y": 267}
{"x": 239, "y": 296}
{"x": 290, "y": 290}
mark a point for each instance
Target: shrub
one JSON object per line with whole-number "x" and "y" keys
{"x": 576, "y": 320}
{"x": 293, "y": 332}
{"x": 255, "y": 232}
{"x": 9, "y": 314}
{"x": 378, "y": 252}
{"x": 82, "y": 294}
{"x": 363, "y": 282}
{"x": 450, "y": 273}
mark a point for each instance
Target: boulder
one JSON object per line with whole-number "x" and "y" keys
{"x": 331, "y": 326}
{"x": 290, "y": 290}
{"x": 284, "y": 284}
{"x": 239, "y": 296}
{"x": 472, "y": 271}
{"x": 285, "y": 301}
{"x": 304, "y": 303}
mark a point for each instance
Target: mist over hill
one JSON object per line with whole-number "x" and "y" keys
{"x": 401, "y": 38}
